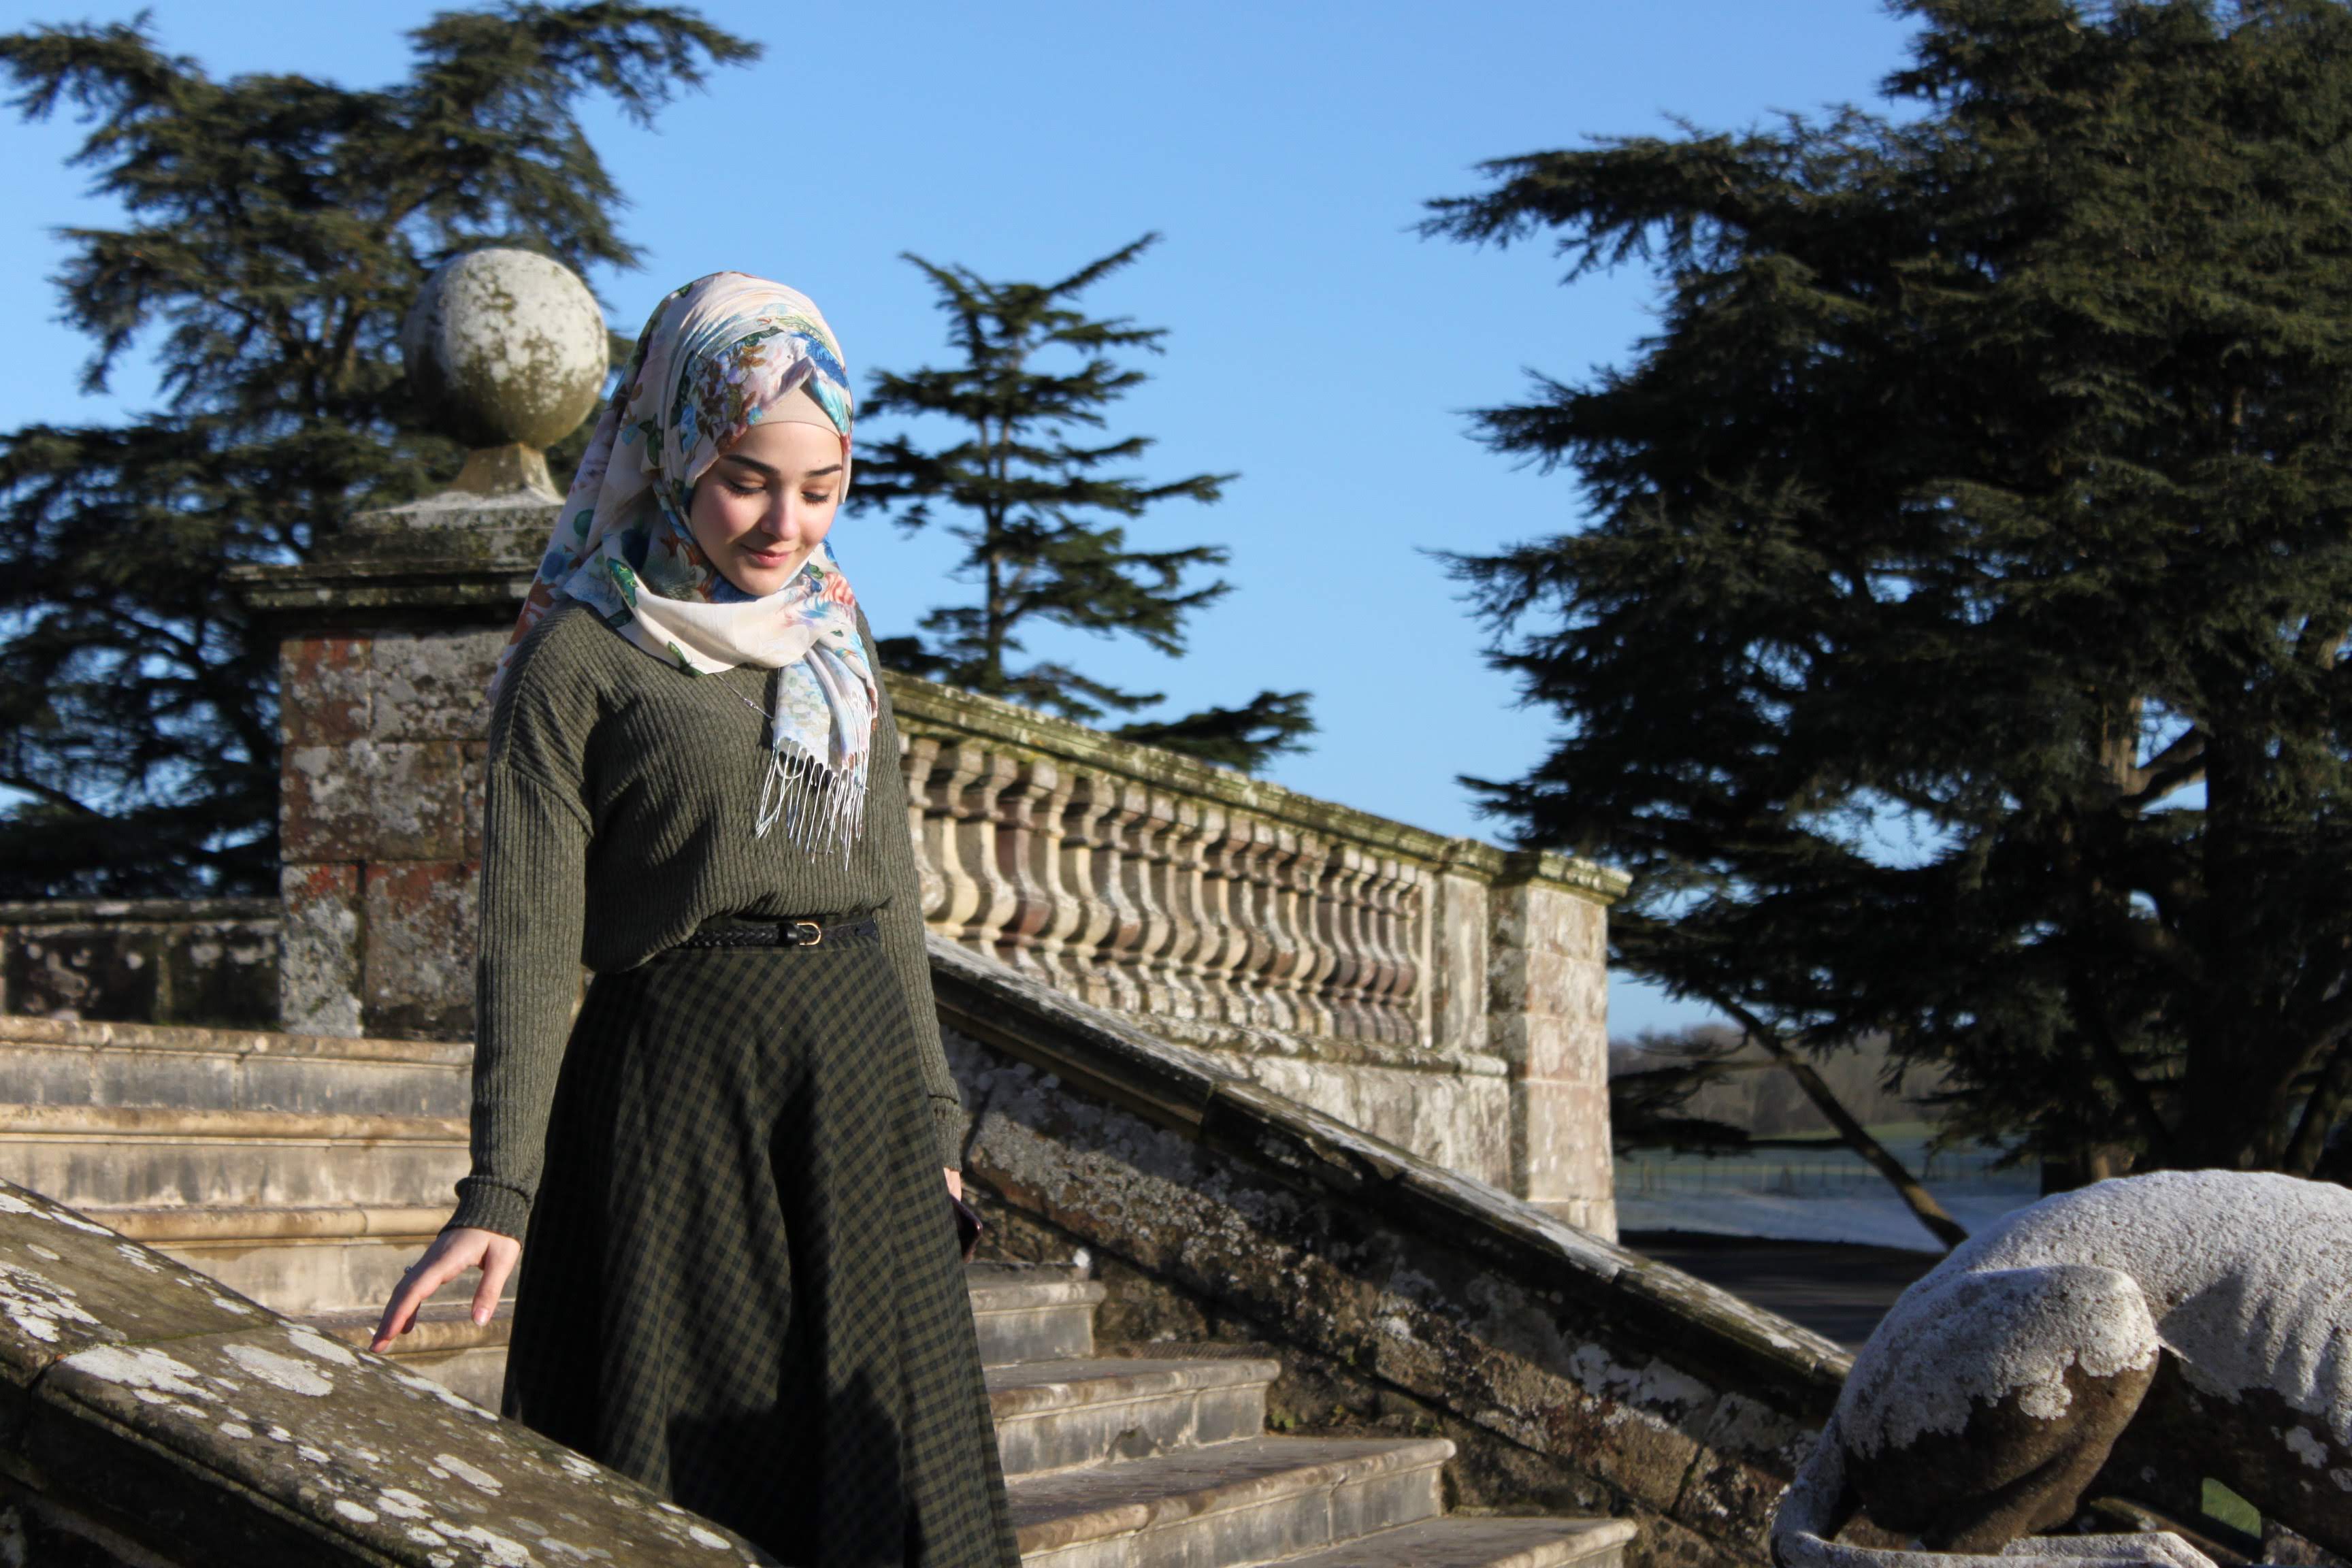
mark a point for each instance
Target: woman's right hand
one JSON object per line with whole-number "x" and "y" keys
{"x": 452, "y": 1253}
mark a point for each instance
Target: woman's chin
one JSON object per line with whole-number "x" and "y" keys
{"x": 759, "y": 578}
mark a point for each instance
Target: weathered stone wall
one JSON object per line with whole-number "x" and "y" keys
{"x": 1401, "y": 1297}
{"x": 380, "y": 822}
{"x": 207, "y": 961}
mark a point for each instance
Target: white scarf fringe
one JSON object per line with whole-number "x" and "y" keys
{"x": 822, "y": 809}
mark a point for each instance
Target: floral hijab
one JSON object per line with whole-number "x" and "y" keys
{"x": 717, "y": 356}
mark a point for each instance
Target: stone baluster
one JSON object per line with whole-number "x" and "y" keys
{"x": 1121, "y": 968}
{"x": 1185, "y": 885}
{"x": 1027, "y": 810}
{"x": 1048, "y": 859}
{"x": 1317, "y": 958}
{"x": 1085, "y": 919}
{"x": 983, "y": 899}
{"x": 1274, "y": 951}
{"x": 1415, "y": 891}
{"x": 1144, "y": 880}
{"x": 919, "y": 755}
{"x": 1392, "y": 994}
{"x": 1370, "y": 971}
{"x": 1340, "y": 911}
{"x": 1252, "y": 905}
{"x": 954, "y": 765}
{"x": 1382, "y": 967}
{"x": 1227, "y": 916}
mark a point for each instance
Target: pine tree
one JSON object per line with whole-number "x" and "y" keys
{"x": 1034, "y": 498}
{"x": 1956, "y": 645}
{"x": 278, "y": 227}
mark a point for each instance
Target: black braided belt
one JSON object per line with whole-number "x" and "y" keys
{"x": 782, "y": 933}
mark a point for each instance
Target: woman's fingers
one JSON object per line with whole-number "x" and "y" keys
{"x": 955, "y": 1184}
{"x": 497, "y": 1262}
{"x": 451, "y": 1254}
{"x": 428, "y": 1274}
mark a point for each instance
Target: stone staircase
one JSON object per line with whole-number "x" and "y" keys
{"x": 306, "y": 1172}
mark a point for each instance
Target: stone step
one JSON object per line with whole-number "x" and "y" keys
{"x": 1056, "y": 1414}
{"x": 1458, "y": 1543}
{"x": 44, "y": 1061}
{"x": 305, "y": 1259}
{"x": 1041, "y": 1314}
{"x": 1057, "y": 1391}
{"x": 1255, "y": 1500}
{"x": 297, "y": 1261}
{"x": 1048, "y": 1415}
{"x": 114, "y": 1157}
{"x": 446, "y": 1344}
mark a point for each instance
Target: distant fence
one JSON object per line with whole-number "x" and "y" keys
{"x": 1799, "y": 1174}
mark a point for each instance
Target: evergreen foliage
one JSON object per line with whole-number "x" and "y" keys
{"x": 276, "y": 230}
{"x": 1956, "y": 646}
{"x": 1034, "y": 498}
{"x": 1242, "y": 737}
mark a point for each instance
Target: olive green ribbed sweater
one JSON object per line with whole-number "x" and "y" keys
{"x": 618, "y": 817}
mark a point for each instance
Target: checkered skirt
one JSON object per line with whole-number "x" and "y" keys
{"x": 741, "y": 1284}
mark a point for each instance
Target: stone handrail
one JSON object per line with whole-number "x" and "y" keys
{"x": 1569, "y": 1373}
{"x": 1145, "y": 881}
{"x": 150, "y": 1416}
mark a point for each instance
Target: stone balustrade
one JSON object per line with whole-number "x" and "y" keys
{"x": 1437, "y": 991}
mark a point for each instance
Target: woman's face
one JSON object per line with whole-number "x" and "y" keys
{"x": 762, "y": 510}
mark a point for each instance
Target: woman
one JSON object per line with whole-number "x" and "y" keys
{"x": 740, "y": 1283}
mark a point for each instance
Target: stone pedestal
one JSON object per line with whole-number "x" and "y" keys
{"x": 387, "y": 643}
{"x": 1548, "y": 1016}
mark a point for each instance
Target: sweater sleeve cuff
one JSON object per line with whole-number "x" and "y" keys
{"x": 489, "y": 1205}
{"x": 948, "y": 1115}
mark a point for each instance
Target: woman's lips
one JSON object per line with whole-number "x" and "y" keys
{"x": 770, "y": 557}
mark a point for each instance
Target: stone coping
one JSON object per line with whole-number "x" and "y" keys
{"x": 1212, "y": 1103}
{"x": 20, "y": 1029}
{"x": 162, "y": 911}
{"x": 458, "y": 513}
{"x": 427, "y": 586}
{"x": 141, "y": 1403}
{"x": 1323, "y": 1050}
{"x": 925, "y": 704}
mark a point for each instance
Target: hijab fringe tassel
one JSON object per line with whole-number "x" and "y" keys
{"x": 820, "y": 807}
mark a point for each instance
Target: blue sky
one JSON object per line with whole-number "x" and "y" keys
{"x": 1316, "y": 344}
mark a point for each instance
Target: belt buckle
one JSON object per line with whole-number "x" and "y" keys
{"x": 804, "y": 933}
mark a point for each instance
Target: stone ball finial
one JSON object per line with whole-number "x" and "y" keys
{"x": 505, "y": 348}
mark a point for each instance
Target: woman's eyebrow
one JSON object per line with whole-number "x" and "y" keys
{"x": 773, "y": 472}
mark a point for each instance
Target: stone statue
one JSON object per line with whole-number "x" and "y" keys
{"x": 2154, "y": 1330}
